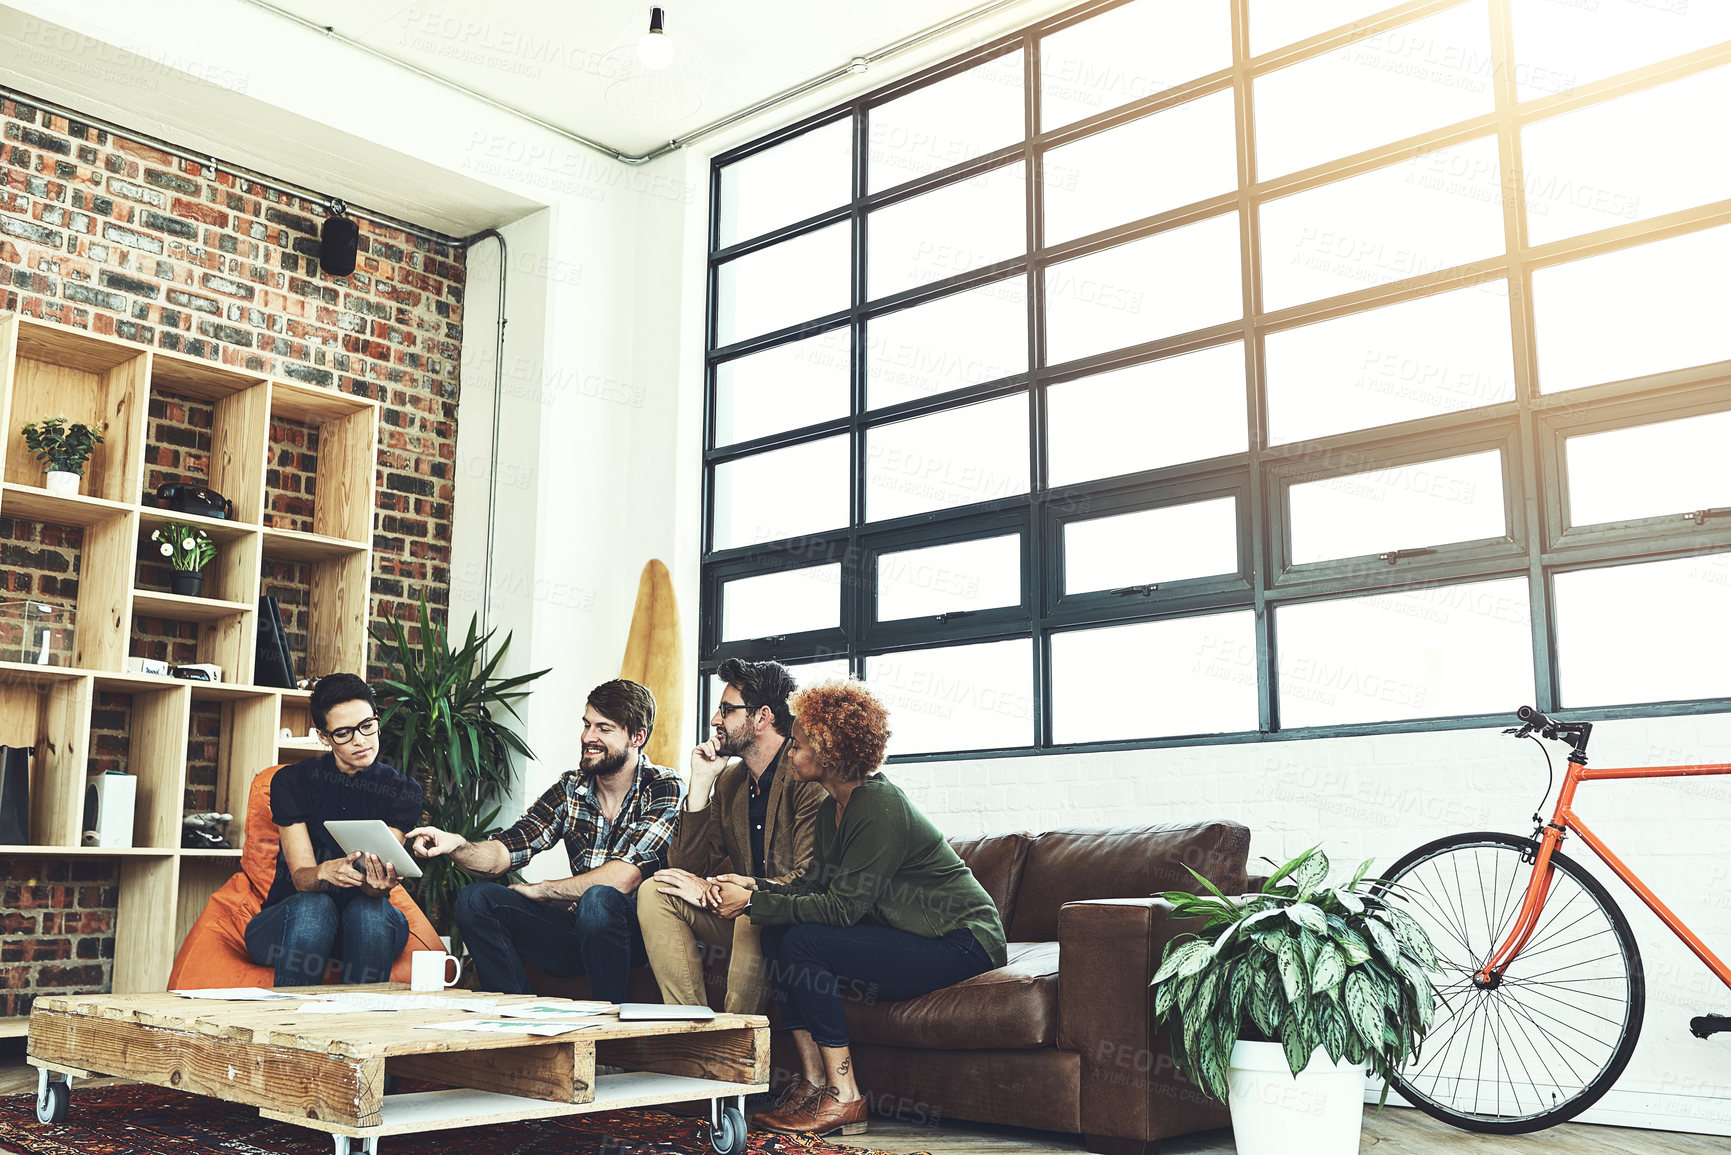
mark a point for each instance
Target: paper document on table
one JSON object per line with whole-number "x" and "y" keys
{"x": 345, "y": 1003}
{"x": 507, "y": 1027}
{"x": 555, "y": 1011}
{"x": 237, "y": 994}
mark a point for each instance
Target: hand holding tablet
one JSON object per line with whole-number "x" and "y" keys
{"x": 372, "y": 836}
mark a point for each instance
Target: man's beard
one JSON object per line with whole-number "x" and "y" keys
{"x": 730, "y": 745}
{"x": 608, "y": 764}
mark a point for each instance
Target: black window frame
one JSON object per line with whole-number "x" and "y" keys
{"x": 1528, "y": 429}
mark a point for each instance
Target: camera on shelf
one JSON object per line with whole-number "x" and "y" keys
{"x": 198, "y": 672}
{"x": 205, "y": 831}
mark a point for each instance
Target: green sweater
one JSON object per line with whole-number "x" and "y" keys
{"x": 885, "y": 865}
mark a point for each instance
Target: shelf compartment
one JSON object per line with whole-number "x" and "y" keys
{"x": 231, "y": 576}
{"x": 158, "y": 713}
{"x": 286, "y": 545}
{"x": 184, "y": 609}
{"x": 347, "y": 431}
{"x": 50, "y": 713}
{"x": 94, "y": 380}
{"x": 36, "y": 504}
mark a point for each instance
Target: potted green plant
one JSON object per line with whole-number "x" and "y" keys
{"x": 1283, "y": 998}
{"x": 188, "y": 550}
{"x": 445, "y": 718}
{"x": 63, "y": 449}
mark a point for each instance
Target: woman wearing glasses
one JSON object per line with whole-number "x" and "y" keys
{"x": 325, "y": 906}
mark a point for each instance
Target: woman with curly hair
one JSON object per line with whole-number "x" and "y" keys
{"x": 885, "y": 909}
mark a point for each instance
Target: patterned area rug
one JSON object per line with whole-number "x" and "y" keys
{"x": 139, "y": 1120}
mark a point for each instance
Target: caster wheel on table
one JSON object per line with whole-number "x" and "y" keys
{"x": 728, "y": 1136}
{"x": 350, "y": 1146}
{"x": 52, "y": 1103}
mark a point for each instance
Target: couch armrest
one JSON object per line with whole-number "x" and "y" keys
{"x": 1108, "y": 949}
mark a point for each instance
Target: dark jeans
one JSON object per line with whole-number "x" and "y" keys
{"x": 813, "y": 968}
{"x": 502, "y": 930}
{"x": 307, "y": 930}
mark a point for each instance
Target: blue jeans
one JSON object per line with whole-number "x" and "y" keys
{"x": 814, "y": 968}
{"x": 502, "y": 930}
{"x": 307, "y": 930}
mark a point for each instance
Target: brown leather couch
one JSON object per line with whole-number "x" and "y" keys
{"x": 1061, "y": 1038}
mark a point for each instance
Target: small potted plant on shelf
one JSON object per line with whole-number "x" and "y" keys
{"x": 1283, "y": 998}
{"x": 63, "y": 449}
{"x": 188, "y": 549}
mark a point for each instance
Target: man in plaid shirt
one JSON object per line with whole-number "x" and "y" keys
{"x": 615, "y": 814}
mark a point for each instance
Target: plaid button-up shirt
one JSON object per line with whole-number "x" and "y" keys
{"x": 568, "y": 811}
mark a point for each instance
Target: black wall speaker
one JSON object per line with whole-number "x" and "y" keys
{"x": 338, "y": 241}
{"x": 15, "y": 795}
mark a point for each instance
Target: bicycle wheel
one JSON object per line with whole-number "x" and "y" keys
{"x": 1544, "y": 1044}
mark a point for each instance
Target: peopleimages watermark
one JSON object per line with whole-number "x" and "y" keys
{"x": 137, "y": 66}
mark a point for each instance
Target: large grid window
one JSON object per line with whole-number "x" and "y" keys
{"x": 1204, "y": 372}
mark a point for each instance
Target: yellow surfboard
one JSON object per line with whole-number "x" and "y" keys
{"x": 654, "y": 657}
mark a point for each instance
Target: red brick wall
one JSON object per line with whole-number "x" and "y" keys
{"x": 56, "y": 927}
{"x": 110, "y": 235}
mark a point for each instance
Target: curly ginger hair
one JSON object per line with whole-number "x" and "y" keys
{"x": 847, "y": 726}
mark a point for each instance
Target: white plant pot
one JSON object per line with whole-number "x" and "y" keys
{"x": 62, "y": 482}
{"x": 1320, "y": 1111}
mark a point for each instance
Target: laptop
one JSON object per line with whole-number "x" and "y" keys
{"x": 661, "y": 1012}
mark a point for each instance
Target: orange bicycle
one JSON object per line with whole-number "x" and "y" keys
{"x": 1543, "y": 993}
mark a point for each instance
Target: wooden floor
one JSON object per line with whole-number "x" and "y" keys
{"x": 1394, "y": 1131}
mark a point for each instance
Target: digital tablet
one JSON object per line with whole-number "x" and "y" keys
{"x": 372, "y": 836}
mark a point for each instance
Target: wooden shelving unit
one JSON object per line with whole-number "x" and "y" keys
{"x": 46, "y": 370}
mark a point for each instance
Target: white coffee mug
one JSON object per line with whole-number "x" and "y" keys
{"x": 427, "y": 970}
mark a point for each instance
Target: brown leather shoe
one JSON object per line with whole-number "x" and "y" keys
{"x": 824, "y": 1113}
{"x": 791, "y": 1099}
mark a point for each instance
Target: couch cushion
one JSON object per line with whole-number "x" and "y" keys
{"x": 1122, "y": 862}
{"x": 1012, "y": 1008}
{"x": 997, "y": 861}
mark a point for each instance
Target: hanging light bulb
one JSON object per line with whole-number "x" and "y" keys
{"x": 655, "y": 50}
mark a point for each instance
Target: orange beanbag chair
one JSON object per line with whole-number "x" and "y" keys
{"x": 214, "y": 953}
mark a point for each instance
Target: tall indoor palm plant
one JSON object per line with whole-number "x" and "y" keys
{"x": 444, "y": 721}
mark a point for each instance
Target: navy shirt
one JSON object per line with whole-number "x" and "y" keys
{"x": 315, "y": 792}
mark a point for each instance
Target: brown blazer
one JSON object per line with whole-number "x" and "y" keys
{"x": 721, "y": 830}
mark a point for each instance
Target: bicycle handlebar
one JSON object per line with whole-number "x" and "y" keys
{"x": 1575, "y": 734}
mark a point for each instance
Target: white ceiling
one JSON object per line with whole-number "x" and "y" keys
{"x": 549, "y": 57}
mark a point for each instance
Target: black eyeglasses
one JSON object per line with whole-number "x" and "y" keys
{"x": 344, "y": 734}
{"x": 726, "y": 707}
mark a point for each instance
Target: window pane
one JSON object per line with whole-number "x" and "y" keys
{"x": 1130, "y": 52}
{"x": 1277, "y": 23}
{"x": 957, "y": 229}
{"x": 1463, "y": 649}
{"x": 1559, "y": 47}
{"x": 1425, "y": 503}
{"x": 1656, "y": 632}
{"x": 782, "y": 493}
{"x": 807, "y": 175}
{"x": 943, "y": 124}
{"x": 1185, "y": 408}
{"x": 961, "y": 698}
{"x": 950, "y": 343}
{"x": 787, "y": 387}
{"x": 1172, "y": 282}
{"x": 1384, "y": 88}
{"x": 1199, "y": 539}
{"x": 1159, "y": 162}
{"x": 1184, "y": 676}
{"x": 787, "y": 283}
{"x": 1438, "y": 354}
{"x": 789, "y": 602}
{"x": 1432, "y": 212}
{"x": 1635, "y": 311}
{"x": 942, "y": 579}
{"x": 957, "y": 457}
{"x": 1629, "y": 159}
{"x": 1667, "y": 467}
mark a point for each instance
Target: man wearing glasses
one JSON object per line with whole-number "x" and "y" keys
{"x": 744, "y": 813}
{"x": 325, "y": 905}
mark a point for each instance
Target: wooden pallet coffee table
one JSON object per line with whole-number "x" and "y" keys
{"x": 327, "y": 1071}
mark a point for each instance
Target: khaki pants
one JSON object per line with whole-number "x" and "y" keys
{"x": 672, "y": 932}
